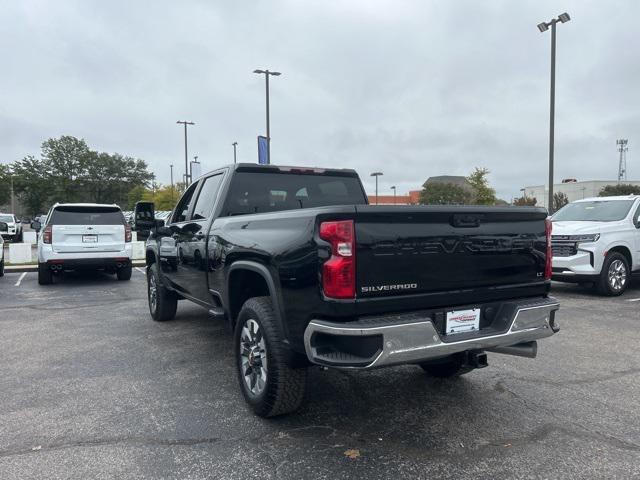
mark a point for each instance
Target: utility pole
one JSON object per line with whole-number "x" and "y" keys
{"x": 186, "y": 155}
{"x": 268, "y": 73}
{"x": 543, "y": 27}
{"x": 235, "y": 144}
{"x": 13, "y": 206}
{"x": 171, "y": 182}
{"x": 394, "y": 194}
{"x": 622, "y": 165}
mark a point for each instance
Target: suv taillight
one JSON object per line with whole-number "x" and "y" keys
{"x": 47, "y": 234}
{"x": 127, "y": 233}
{"x": 548, "y": 267}
{"x": 339, "y": 272}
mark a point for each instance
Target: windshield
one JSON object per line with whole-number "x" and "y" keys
{"x": 596, "y": 211}
{"x": 6, "y": 218}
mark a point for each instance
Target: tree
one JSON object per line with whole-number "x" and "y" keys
{"x": 620, "y": 189}
{"x": 525, "y": 201}
{"x": 33, "y": 184}
{"x": 5, "y": 184}
{"x": 484, "y": 194}
{"x": 67, "y": 158}
{"x": 559, "y": 200}
{"x": 444, "y": 194}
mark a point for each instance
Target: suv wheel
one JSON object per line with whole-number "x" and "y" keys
{"x": 124, "y": 273}
{"x": 163, "y": 303}
{"x": 614, "y": 276}
{"x": 45, "y": 277}
{"x": 1, "y": 266}
{"x": 268, "y": 384}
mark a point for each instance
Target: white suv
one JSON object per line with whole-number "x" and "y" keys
{"x": 84, "y": 235}
{"x": 14, "y": 227}
{"x": 597, "y": 240}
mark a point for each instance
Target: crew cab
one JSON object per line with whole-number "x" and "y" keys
{"x": 83, "y": 236}
{"x": 597, "y": 240}
{"x": 307, "y": 273}
{"x": 14, "y": 227}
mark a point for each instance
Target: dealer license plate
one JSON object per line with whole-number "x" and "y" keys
{"x": 89, "y": 238}
{"x": 460, "y": 321}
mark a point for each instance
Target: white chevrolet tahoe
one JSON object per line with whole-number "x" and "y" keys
{"x": 597, "y": 240}
{"x": 84, "y": 235}
{"x": 14, "y": 227}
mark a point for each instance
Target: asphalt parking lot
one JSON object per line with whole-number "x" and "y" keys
{"x": 90, "y": 387}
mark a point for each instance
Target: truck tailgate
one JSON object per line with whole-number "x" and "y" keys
{"x": 413, "y": 250}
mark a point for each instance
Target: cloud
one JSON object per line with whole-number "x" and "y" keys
{"x": 410, "y": 88}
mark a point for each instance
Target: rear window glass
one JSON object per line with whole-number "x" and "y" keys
{"x": 271, "y": 192}
{"x": 87, "y": 216}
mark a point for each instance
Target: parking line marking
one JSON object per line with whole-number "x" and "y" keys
{"x": 20, "y": 279}
{"x": 140, "y": 270}
{"x": 633, "y": 299}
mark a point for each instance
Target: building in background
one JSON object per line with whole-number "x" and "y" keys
{"x": 412, "y": 198}
{"x": 572, "y": 189}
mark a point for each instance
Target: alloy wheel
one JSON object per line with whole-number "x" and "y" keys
{"x": 253, "y": 357}
{"x": 617, "y": 275}
{"x": 153, "y": 292}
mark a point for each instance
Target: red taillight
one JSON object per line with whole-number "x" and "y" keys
{"x": 339, "y": 272}
{"x": 47, "y": 234}
{"x": 127, "y": 233}
{"x": 548, "y": 268}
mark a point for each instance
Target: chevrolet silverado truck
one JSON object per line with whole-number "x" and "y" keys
{"x": 307, "y": 273}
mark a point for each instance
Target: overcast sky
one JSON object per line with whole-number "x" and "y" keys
{"x": 410, "y": 88}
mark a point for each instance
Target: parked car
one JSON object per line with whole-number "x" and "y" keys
{"x": 14, "y": 227}
{"x": 81, "y": 236}
{"x": 3, "y": 227}
{"x": 307, "y": 273}
{"x": 597, "y": 240}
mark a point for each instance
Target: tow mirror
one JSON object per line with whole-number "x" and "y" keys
{"x": 36, "y": 225}
{"x": 144, "y": 216}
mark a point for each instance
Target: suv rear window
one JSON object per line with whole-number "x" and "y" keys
{"x": 86, "y": 216}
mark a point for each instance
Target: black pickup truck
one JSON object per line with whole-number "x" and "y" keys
{"x": 307, "y": 273}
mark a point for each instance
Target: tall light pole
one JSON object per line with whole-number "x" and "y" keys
{"x": 394, "y": 194}
{"x": 235, "y": 144}
{"x": 186, "y": 155}
{"x": 266, "y": 74}
{"x": 376, "y": 174}
{"x": 171, "y": 182}
{"x": 543, "y": 27}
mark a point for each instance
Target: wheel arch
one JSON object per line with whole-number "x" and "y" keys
{"x": 625, "y": 251}
{"x": 247, "y": 279}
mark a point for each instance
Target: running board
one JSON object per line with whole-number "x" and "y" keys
{"x": 216, "y": 313}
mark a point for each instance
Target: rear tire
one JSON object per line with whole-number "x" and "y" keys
{"x": 163, "y": 303}
{"x": 2, "y": 267}
{"x": 449, "y": 369}
{"x": 45, "y": 277}
{"x": 615, "y": 275}
{"x": 124, "y": 273}
{"x": 269, "y": 385}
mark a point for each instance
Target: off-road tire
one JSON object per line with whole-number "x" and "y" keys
{"x": 604, "y": 285}
{"x": 45, "y": 277}
{"x": 124, "y": 273}
{"x": 166, "y": 302}
{"x": 285, "y": 386}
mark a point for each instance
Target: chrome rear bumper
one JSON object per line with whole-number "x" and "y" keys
{"x": 366, "y": 344}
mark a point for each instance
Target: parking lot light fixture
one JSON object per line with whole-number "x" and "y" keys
{"x": 394, "y": 194}
{"x": 543, "y": 27}
{"x": 267, "y": 74}
{"x": 376, "y": 174}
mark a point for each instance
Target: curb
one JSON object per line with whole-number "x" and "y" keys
{"x": 34, "y": 268}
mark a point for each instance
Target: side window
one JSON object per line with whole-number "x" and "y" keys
{"x": 636, "y": 217}
{"x": 180, "y": 213}
{"x": 207, "y": 197}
